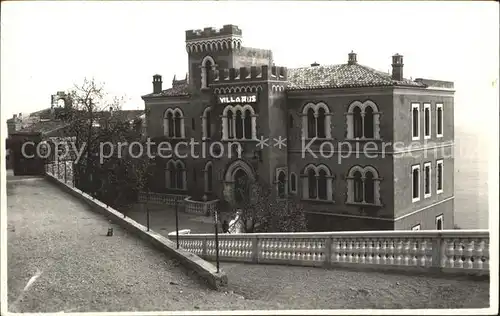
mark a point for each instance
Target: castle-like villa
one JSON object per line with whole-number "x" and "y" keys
{"x": 394, "y": 169}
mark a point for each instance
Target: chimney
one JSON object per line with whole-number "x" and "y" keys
{"x": 15, "y": 116}
{"x": 111, "y": 110}
{"x": 157, "y": 84}
{"x": 352, "y": 60}
{"x": 397, "y": 67}
{"x": 315, "y": 64}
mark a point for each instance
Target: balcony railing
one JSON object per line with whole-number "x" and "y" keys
{"x": 199, "y": 207}
{"x": 161, "y": 198}
{"x": 453, "y": 250}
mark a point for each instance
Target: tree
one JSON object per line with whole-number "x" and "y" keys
{"x": 95, "y": 118}
{"x": 261, "y": 211}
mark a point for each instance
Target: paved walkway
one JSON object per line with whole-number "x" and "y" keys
{"x": 55, "y": 237}
{"x": 58, "y": 243}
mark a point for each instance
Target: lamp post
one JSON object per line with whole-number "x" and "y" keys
{"x": 147, "y": 214}
{"x": 216, "y": 220}
{"x": 177, "y": 223}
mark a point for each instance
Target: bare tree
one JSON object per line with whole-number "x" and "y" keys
{"x": 94, "y": 118}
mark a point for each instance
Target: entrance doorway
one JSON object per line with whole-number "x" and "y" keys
{"x": 240, "y": 186}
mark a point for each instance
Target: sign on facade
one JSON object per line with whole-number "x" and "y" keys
{"x": 241, "y": 98}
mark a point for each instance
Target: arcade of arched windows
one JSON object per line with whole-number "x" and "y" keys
{"x": 363, "y": 185}
{"x": 175, "y": 175}
{"x": 239, "y": 122}
{"x": 363, "y": 120}
{"x": 317, "y": 183}
{"x": 173, "y": 123}
{"x": 316, "y": 121}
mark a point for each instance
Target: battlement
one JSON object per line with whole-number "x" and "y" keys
{"x": 253, "y": 73}
{"x": 228, "y": 30}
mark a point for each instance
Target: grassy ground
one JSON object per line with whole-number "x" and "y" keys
{"x": 82, "y": 270}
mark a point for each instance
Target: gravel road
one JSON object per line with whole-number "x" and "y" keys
{"x": 54, "y": 236}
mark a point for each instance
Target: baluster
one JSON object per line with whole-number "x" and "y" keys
{"x": 450, "y": 253}
{"x": 478, "y": 254}
{"x": 363, "y": 250}
{"x": 281, "y": 247}
{"x": 369, "y": 255}
{"x": 335, "y": 250}
{"x": 469, "y": 253}
{"x": 459, "y": 253}
{"x": 486, "y": 254}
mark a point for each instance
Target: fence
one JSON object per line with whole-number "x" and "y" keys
{"x": 62, "y": 170}
{"x": 452, "y": 250}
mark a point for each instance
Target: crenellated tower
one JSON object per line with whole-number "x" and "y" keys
{"x": 209, "y": 49}
{"x": 262, "y": 88}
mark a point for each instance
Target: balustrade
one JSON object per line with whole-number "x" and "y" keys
{"x": 463, "y": 251}
{"x": 161, "y": 198}
{"x": 453, "y": 250}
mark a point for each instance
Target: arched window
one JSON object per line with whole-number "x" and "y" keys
{"x": 248, "y": 124}
{"x": 206, "y": 123}
{"x": 363, "y": 185}
{"x": 315, "y": 121}
{"x": 208, "y": 177}
{"x": 368, "y": 121}
{"x": 281, "y": 185}
{"x": 311, "y": 180}
{"x": 207, "y": 65}
{"x": 358, "y": 187}
{"x": 208, "y": 71}
{"x": 176, "y": 175}
{"x": 239, "y": 125}
{"x": 177, "y": 124}
{"x": 318, "y": 183}
{"x": 230, "y": 121}
{"x": 293, "y": 182}
{"x": 322, "y": 194}
{"x": 239, "y": 122}
{"x": 173, "y": 123}
{"x": 169, "y": 124}
{"x": 369, "y": 188}
{"x": 311, "y": 124}
{"x": 358, "y": 123}
{"x": 320, "y": 121}
{"x": 363, "y": 120}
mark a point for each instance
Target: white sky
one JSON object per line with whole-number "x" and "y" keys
{"x": 48, "y": 46}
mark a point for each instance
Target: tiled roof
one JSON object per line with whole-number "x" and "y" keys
{"x": 341, "y": 76}
{"x": 43, "y": 127}
{"x": 179, "y": 88}
{"x": 46, "y": 126}
{"x": 318, "y": 77}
